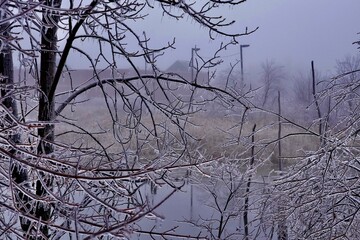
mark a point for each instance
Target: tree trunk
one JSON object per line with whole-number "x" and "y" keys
{"x": 47, "y": 74}
{"x": 46, "y": 105}
{"x": 18, "y": 173}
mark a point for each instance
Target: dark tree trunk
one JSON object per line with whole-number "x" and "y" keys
{"x": 18, "y": 173}
{"x": 43, "y": 211}
{"x": 47, "y": 75}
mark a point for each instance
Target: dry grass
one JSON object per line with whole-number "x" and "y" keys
{"x": 214, "y": 137}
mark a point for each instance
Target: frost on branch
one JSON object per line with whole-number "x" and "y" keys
{"x": 88, "y": 199}
{"x": 319, "y": 196}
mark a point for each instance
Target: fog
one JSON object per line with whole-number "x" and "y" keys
{"x": 291, "y": 33}
{"x": 111, "y": 150}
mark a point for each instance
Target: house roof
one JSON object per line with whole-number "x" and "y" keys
{"x": 179, "y": 66}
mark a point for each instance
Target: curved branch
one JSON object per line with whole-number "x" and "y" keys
{"x": 161, "y": 77}
{"x": 67, "y": 48}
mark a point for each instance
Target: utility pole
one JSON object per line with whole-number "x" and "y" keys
{"x": 193, "y": 51}
{"x": 242, "y": 63}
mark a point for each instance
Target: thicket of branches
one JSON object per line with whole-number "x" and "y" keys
{"x": 85, "y": 188}
{"x": 60, "y": 179}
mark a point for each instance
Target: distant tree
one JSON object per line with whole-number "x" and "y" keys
{"x": 272, "y": 77}
{"x": 303, "y": 89}
{"x": 348, "y": 69}
{"x": 228, "y": 78}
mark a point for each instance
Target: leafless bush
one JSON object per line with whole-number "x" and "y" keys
{"x": 319, "y": 196}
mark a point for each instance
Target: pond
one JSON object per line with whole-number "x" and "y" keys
{"x": 194, "y": 211}
{"x": 203, "y": 207}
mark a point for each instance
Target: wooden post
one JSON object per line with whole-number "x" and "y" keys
{"x": 282, "y": 228}
{"x": 246, "y": 205}
{"x": 316, "y": 101}
{"x": 279, "y": 132}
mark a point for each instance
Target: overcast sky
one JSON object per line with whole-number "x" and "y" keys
{"x": 291, "y": 32}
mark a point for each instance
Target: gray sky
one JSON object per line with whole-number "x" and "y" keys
{"x": 291, "y": 32}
